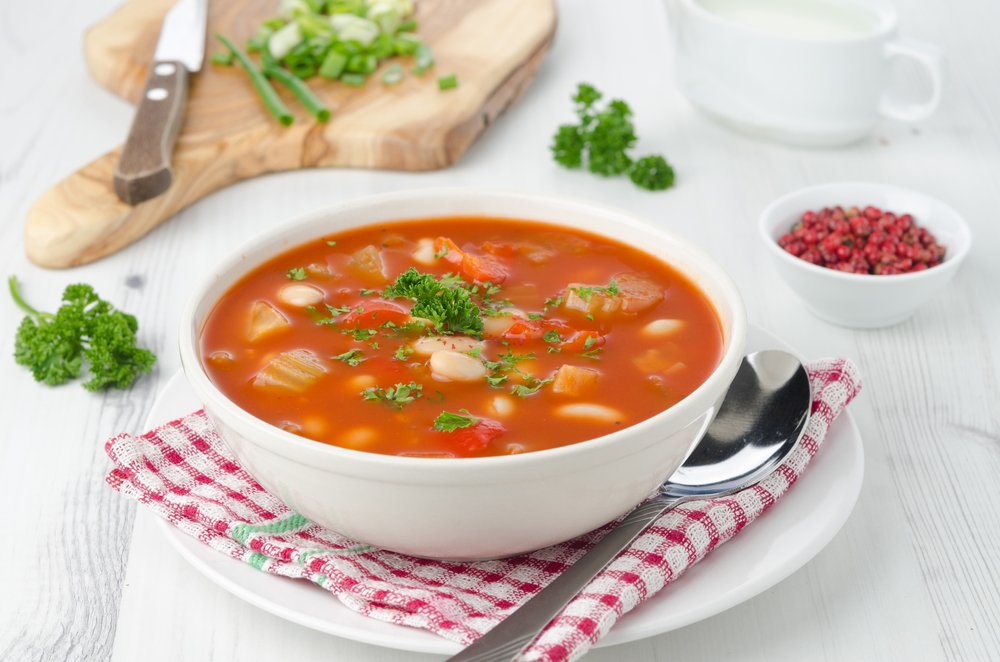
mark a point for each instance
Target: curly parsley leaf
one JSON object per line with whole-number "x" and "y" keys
{"x": 396, "y": 396}
{"x": 448, "y": 421}
{"x": 85, "y": 329}
{"x": 446, "y": 302}
{"x": 352, "y": 357}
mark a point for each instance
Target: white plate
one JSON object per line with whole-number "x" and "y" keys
{"x": 775, "y": 546}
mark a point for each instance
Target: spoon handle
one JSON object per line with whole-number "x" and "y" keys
{"x": 514, "y": 633}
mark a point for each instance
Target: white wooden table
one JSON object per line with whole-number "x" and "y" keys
{"x": 914, "y": 575}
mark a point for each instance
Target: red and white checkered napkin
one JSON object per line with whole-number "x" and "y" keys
{"x": 187, "y": 475}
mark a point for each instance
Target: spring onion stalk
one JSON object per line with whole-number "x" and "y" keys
{"x": 448, "y": 82}
{"x": 301, "y": 92}
{"x": 393, "y": 74}
{"x": 271, "y": 100}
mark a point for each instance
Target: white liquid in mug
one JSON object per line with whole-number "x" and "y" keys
{"x": 817, "y": 20}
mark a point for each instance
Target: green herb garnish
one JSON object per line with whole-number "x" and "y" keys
{"x": 403, "y": 353}
{"x": 396, "y": 396}
{"x": 602, "y": 139}
{"x": 552, "y": 337}
{"x": 530, "y": 387}
{"x": 447, "y": 305}
{"x": 351, "y": 357}
{"x": 84, "y": 329}
{"x": 296, "y": 273}
{"x": 448, "y": 421}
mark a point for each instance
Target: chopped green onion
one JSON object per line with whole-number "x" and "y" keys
{"x": 271, "y": 100}
{"x": 353, "y": 80}
{"x": 301, "y": 91}
{"x": 223, "y": 58}
{"x": 392, "y": 75}
{"x": 424, "y": 59}
{"x": 333, "y": 65}
{"x": 448, "y": 82}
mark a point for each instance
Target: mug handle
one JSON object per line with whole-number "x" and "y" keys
{"x": 931, "y": 58}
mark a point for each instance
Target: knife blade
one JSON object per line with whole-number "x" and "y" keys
{"x": 144, "y": 170}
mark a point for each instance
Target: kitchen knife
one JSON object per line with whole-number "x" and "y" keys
{"x": 144, "y": 170}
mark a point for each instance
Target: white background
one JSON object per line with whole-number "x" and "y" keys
{"x": 914, "y": 575}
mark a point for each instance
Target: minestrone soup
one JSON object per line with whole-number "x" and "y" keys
{"x": 460, "y": 337}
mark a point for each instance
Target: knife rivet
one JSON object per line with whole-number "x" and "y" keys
{"x": 156, "y": 94}
{"x": 164, "y": 69}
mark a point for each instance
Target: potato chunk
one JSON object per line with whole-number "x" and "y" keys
{"x": 574, "y": 380}
{"x": 367, "y": 263}
{"x": 264, "y": 320}
{"x": 293, "y": 371}
{"x": 591, "y": 299}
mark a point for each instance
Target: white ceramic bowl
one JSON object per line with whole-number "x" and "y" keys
{"x": 481, "y": 507}
{"x": 859, "y": 300}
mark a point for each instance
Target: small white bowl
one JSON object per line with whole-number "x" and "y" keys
{"x": 859, "y": 300}
{"x": 471, "y": 508}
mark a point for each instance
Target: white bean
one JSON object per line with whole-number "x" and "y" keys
{"x": 300, "y": 295}
{"x": 358, "y": 437}
{"x": 424, "y": 253}
{"x": 590, "y": 411}
{"x": 495, "y": 327}
{"x": 428, "y": 345}
{"x": 502, "y": 406}
{"x": 361, "y": 382}
{"x": 662, "y": 328}
{"x": 454, "y": 366}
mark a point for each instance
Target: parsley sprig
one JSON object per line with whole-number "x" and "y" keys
{"x": 445, "y": 301}
{"x": 85, "y": 329}
{"x": 602, "y": 140}
{"x": 448, "y": 421}
{"x": 396, "y": 396}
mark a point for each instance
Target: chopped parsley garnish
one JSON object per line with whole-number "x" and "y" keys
{"x": 396, "y": 396}
{"x": 330, "y": 242}
{"x": 552, "y": 337}
{"x": 587, "y": 291}
{"x": 496, "y": 380}
{"x": 530, "y": 387}
{"x": 444, "y": 302}
{"x": 365, "y": 292}
{"x": 296, "y": 273}
{"x": 535, "y": 316}
{"x": 359, "y": 334}
{"x": 475, "y": 352}
{"x": 593, "y": 354}
{"x": 589, "y": 342}
{"x": 554, "y": 302}
{"x": 448, "y": 421}
{"x": 334, "y": 312}
{"x": 351, "y": 357}
{"x": 403, "y": 353}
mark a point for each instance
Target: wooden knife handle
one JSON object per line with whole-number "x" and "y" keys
{"x": 144, "y": 169}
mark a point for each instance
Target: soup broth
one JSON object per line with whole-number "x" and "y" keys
{"x": 460, "y": 337}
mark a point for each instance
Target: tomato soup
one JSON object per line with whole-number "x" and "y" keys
{"x": 460, "y": 337}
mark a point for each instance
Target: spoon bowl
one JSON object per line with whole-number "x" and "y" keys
{"x": 759, "y": 423}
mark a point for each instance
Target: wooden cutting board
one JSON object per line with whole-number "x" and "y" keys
{"x": 494, "y": 46}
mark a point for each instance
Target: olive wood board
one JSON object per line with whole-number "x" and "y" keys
{"x": 493, "y": 46}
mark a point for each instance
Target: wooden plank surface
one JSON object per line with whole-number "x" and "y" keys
{"x": 914, "y": 574}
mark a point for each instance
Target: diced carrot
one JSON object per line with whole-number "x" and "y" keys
{"x": 574, "y": 380}
{"x": 485, "y": 269}
{"x": 501, "y": 249}
{"x": 475, "y": 438}
{"x": 523, "y": 330}
{"x": 372, "y": 313}
{"x": 580, "y": 341}
{"x": 478, "y": 268}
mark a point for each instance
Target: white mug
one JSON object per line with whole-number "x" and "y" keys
{"x": 816, "y": 79}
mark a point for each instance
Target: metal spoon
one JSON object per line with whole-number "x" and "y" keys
{"x": 759, "y": 423}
